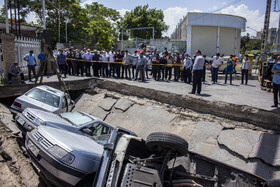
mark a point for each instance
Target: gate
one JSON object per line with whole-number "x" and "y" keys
{"x": 22, "y": 47}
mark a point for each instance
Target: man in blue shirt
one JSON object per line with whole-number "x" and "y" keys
{"x": 276, "y": 81}
{"x": 61, "y": 60}
{"x": 31, "y": 63}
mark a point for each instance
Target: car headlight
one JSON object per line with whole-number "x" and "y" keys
{"x": 38, "y": 121}
{"x": 62, "y": 154}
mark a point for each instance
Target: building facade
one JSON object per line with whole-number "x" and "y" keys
{"x": 211, "y": 33}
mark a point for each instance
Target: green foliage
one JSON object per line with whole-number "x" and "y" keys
{"x": 93, "y": 25}
{"x": 249, "y": 45}
{"x": 142, "y": 16}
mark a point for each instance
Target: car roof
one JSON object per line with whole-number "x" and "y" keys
{"x": 51, "y": 89}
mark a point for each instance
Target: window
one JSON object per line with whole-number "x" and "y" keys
{"x": 45, "y": 97}
{"x": 76, "y": 118}
{"x": 98, "y": 129}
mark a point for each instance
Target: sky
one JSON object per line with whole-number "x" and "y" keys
{"x": 174, "y": 10}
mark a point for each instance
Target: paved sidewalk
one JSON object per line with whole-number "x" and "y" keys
{"x": 239, "y": 94}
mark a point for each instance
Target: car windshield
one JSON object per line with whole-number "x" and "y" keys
{"x": 76, "y": 118}
{"x": 44, "y": 97}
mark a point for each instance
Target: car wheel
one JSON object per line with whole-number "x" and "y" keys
{"x": 160, "y": 141}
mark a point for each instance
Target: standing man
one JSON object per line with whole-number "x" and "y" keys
{"x": 142, "y": 61}
{"x": 87, "y": 56}
{"x": 244, "y": 69}
{"x": 276, "y": 81}
{"x": 118, "y": 60}
{"x": 111, "y": 55}
{"x": 134, "y": 58}
{"x": 234, "y": 63}
{"x": 61, "y": 61}
{"x": 127, "y": 60}
{"x": 95, "y": 63}
{"x": 197, "y": 72}
{"x": 177, "y": 64}
{"x": 216, "y": 63}
{"x": 229, "y": 69}
{"x": 187, "y": 69}
{"x": 31, "y": 63}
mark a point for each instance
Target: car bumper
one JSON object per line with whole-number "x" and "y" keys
{"x": 15, "y": 110}
{"x": 23, "y": 123}
{"x": 55, "y": 171}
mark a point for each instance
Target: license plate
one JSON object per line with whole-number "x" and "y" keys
{"x": 34, "y": 150}
{"x": 20, "y": 121}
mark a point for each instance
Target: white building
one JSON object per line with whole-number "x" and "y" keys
{"x": 211, "y": 33}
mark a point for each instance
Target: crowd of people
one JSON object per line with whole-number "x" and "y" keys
{"x": 164, "y": 66}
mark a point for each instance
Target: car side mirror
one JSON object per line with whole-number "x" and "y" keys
{"x": 87, "y": 131}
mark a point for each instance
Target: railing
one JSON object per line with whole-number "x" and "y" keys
{"x": 22, "y": 47}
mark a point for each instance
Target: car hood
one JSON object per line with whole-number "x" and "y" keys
{"x": 49, "y": 118}
{"x": 72, "y": 142}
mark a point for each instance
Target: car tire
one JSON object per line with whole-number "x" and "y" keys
{"x": 159, "y": 141}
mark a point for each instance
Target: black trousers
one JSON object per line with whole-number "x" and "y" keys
{"x": 95, "y": 69}
{"x": 197, "y": 77}
{"x": 87, "y": 68}
{"x": 133, "y": 69}
{"x": 244, "y": 72}
{"x": 141, "y": 69}
{"x": 276, "y": 93}
{"x": 70, "y": 67}
{"x": 176, "y": 73}
{"x": 187, "y": 75}
{"x": 168, "y": 72}
{"x": 10, "y": 76}
{"x": 62, "y": 69}
{"x": 31, "y": 68}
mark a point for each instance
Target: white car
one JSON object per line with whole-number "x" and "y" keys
{"x": 44, "y": 98}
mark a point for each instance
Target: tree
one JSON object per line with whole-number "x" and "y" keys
{"x": 142, "y": 16}
{"x": 101, "y": 28}
{"x": 93, "y": 25}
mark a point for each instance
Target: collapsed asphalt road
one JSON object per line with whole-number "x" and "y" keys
{"x": 236, "y": 143}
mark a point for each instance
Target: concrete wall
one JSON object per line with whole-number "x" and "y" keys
{"x": 204, "y": 38}
{"x": 8, "y": 49}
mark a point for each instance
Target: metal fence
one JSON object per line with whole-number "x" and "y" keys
{"x": 22, "y": 47}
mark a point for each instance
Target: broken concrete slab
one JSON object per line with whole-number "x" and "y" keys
{"x": 143, "y": 120}
{"x": 107, "y": 103}
{"x": 240, "y": 141}
{"x": 99, "y": 112}
{"x": 227, "y": 125}
{"x": 88, "y": 102}
{"x": 267, "y": 149}
{"x": 204, "y": 137}
{"x": 123, "y": 104}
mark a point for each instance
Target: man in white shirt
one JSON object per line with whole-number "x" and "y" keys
{"x": 197, "y": 72}
{"x": 216, "y": 63}
{"x": 88, "y": 57}
{"x": 187, "y": 69}
{"x": 244, "y": 69}
{"x": 105, "y": 60}
{"x": 111, "y": 55}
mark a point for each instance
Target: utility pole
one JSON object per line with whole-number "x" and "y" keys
{"x": 264, "y": 37}
{"x": 18, "y": 17}
{"x": 44, "y": 14}
{"x": 6, "y": 18}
